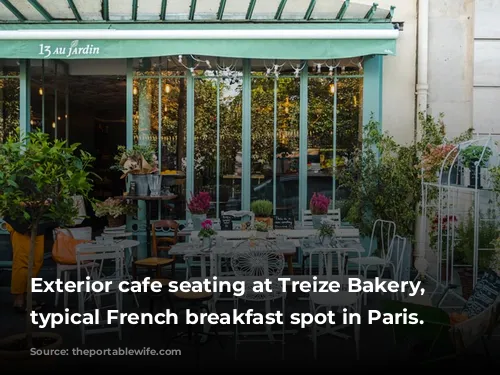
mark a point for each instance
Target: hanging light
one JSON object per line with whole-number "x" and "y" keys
{"x": 168, "y": 88}
{"x": 59, "y": 118}
{"x": 40, "y": 91}
{"x": 32, "y": 122}
{"x": 135, "y": 90}
{"x": 54, "y": 125}
{"x": 332, "y": 88}
{"x": 65, "y": 116}
{"x": 330, "y": 70}
{"x": 318, "y": 68}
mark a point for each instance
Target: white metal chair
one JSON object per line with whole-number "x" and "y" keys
{"x": 90, "y": 260}
{"x": 64, "y": 270}
{"x": 338, "y": 301}
{"x": 399, "y": 250}
{"x": 259, "y": 259}
{"x": 333, "y": 215}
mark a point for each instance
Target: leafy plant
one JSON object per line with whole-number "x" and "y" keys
{"x": 262, "y": 208}
{"x": 114, "y": 207}
{"x": 199, "y": 203}
{"x": 473, "y": 153}
{"x": 326, "y": 230}
{"x": 488, "y": 232}
{"x": 207, "y": 229}
{"x": 436, "y": 157}
{"x": 495, "y": 178}
{"x": 138, "y": 160}
{"x": 38, "y": 180}
{"x": 319, "y": 204}
{"x": 261, "y": 226}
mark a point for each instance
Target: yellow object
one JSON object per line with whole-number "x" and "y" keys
{"x": 20, "y": 258}
{"x": 167, "y": 172}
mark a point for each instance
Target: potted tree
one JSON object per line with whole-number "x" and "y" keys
{"x": 471, "y": 158}
{"x": 116, "y": 211}
{"x": 138, "y": 162}
{"x": 319, "y": 208}
{"x": 199, "y": 206}
{"x": 37, "y": 183}
{"x": 263, "y": 211}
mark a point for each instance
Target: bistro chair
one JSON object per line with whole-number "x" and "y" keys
{"x": 160, "y": 245}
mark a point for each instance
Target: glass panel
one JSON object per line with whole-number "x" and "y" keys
{"x": 89, "y": 9}
{"x": 178, "y": 9}
{"x": 9, "y": 106}
{"x": 205, "y": 139}
{"x": 149, "y": 10}
{"x": 381, "y": 13}
{"x": 27, "y": 10}
{"x": 230, "y": 141}
{"x": 146, "y": 66}
{"x": 145, "y": 112}
{"x": 264, "y": 173}
{"x": 295, "y": 9}
{"x": 173, "y": 142}
{"x": 121, "y": 10}
{"x": 36, "y": 99}
{"x": 206, "y": 9}
{"x": 57, "y": 10}
{"x": 61, "y": 102}
{"x": 6, "y": 15}
{"x": 265, "y": 9}
{"x": 326, "y": 9}
{"x": 49, "y": 97}
{"x": 9, "y": 67}
{"x": 320, "y": 137}
{"x": 235, "y": 9}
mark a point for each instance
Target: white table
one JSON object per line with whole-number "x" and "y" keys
{"x": 348, "y": 232}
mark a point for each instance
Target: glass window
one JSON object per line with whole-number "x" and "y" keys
{"x": 9, "y": 97}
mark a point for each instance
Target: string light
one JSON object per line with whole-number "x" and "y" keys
{"x": 54, "y": 125}
{"x": 135, "y": 90}
{"x": 40, "y": 91}
{"x": 167, "y": 89}
{"x": 318, "y": 68}
{"x": 332, "y": 88}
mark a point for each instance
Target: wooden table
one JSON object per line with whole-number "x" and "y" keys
{"x": 148, "y": 199}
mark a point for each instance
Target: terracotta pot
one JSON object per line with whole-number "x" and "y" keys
{"x": 467, "y": 282}
{"x": 114, "y": 222}
{"x": 10, "y": 355}
{"x": 267, "y": 220}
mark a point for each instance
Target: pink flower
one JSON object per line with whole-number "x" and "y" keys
{"x": 319, "y": 204}
{"x": 207, "y": 224}
{"x": 200, "y": 203}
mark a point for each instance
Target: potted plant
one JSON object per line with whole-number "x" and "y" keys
{"x": 495, "y": 178}
{"x": 437, "y": 157}
{"x": 319, "y": 208}
{"x": 488, "y": 233}
{"x": 263, "y": 211}
{"x": 38, "y": 180}
{"x": 116, "y": 211}
{"x": 199, "y": 206}
{"x": 138, "y": 162}
{"x": 261, "y": 229}
{"x": 495, "y": 261}
{"x": 471, "y": 158}
{"x": 206, "y": 233}
{"x": 326, "y": 232}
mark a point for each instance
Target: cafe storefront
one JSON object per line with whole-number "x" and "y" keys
{"x": 244, "y": 99}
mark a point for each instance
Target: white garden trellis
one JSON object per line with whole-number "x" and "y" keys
{"x": 452, "y": 196}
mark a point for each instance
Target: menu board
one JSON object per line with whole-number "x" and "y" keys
{"x": 226, "y": 222}
{"x": 485, "y": 294}
{"x": 283, "y": 222}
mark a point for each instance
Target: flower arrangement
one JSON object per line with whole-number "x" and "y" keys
{"x": 433, "y": 158}
{"x": 261, "y": 226}
{"x": 199, "y": 203}
{"x": 325, "y": 230}
{"x": 207, "y": 230}
{"x": 138, "y": 160}
{"x": 319, "y": 204}
{"x": 114, "y": 208}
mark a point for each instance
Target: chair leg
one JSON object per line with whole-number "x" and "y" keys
{"x": 65, "y": 295}
{"x": 158, "y": 272}
{"x": 56, "y": 302}
{"x": 173, "y": 270}
{"x": 134, "y": 271}
{"x": 290, "y": 264}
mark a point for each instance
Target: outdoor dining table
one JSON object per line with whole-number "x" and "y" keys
{"x": 148, "y": 200}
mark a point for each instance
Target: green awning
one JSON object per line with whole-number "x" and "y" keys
{"x": 266, "y": 29}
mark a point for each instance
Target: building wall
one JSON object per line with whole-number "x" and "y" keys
{"x": 451, "y": 62}
{"x": 486, "y": 63}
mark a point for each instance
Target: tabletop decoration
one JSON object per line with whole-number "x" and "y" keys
{"x": 115, "y": 210}
{"x": 199, "y": 206}
{"x": 138, "y": 162}
{"x": 263, "y": 211}
{"x": 206, "y": 233}
{"x": 319, "y": 208}
{"x": 326, "y": 232}
{"x": 261, "y": 229}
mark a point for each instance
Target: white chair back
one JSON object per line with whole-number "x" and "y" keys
{"x": 257, "y": 258}
{"x": 399, "y": 252}
{"x": 92, "y": 257}
{"x": 333, "y": 215}
{"x": 383, "y": 234}
{"x": 241, "y": 216}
